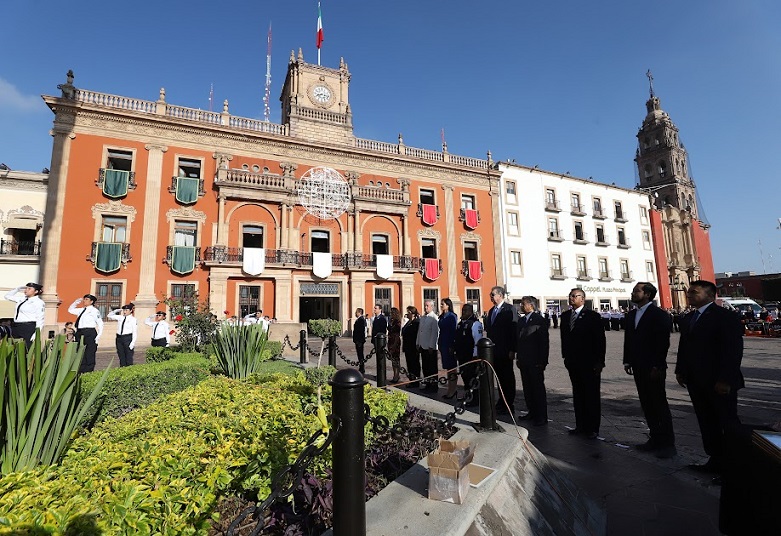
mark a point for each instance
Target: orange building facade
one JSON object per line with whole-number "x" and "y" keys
{"x": 301, "y": 219}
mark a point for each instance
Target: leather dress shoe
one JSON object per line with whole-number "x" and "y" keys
{"x": 592, "y": 435}
{"x": 526, "y": 417}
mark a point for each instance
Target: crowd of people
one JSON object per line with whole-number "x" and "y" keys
{"x": 708, "y": 358}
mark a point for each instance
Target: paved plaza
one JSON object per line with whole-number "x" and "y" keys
{"x": 643, "y": 495}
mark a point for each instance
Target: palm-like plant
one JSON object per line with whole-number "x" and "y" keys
{"x": 40, "y": 401}
{"x": 240, "y": 349}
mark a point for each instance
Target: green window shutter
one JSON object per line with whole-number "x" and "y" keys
{"x": 187, "y": 190}
{"x": 115, "y": 183}
{"x": 183, "y": 259}
{"x": 108, "y": 256}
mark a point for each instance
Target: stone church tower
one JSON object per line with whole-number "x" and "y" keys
{"x": 663, "y": 168}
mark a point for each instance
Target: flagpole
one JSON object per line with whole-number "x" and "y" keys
{"x": 319, "y": 31}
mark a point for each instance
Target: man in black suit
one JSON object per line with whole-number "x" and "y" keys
{"x": 709, "y": 356}
{"x": 532, "y": 358}
{"x": 359, "y": 337}
{"x": 646, "y": 341}
{"x": 501, "y": 328}
{"x": 583, "y": 349}
{"x": 379, "y": 324}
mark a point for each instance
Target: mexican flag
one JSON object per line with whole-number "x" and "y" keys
{"x": 319, "y": 27}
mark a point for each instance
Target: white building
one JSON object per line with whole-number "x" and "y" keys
{"x": 22, "y": 204}
{"x": 561, "y": 232}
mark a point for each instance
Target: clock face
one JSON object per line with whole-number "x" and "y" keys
{"x": 321, "y": 94}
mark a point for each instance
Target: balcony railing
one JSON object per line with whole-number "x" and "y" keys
{"x": 285, "y": 257}
{"x": 580, "y": 238}
{"x": 131, "y": 178}
{"x": 601, "y": 241}
{"x": 12, "y": 247}
{"x": 423, "y": 266}
{"x": 465, "y": 268}
{"x": 124, "y": 254}
{"x": 605, "y": 276}
{"x": 599, "y": 213}
{"x": 558, "y": 273}
{"x": 462, "y": 215}
{"x": 626, "y": 276}
{"x": 623, "y": 243}
{"x": 552, "y": 205}
{"x": 577, "y": 210}
{"x": 419, "y": 213}
{"x": 169, "y": 252}
{"x": 554, "y": 236}
{"x": 620, "y": 217}
{"x": 584, "y": 275}
{"x": 201, "y": 190}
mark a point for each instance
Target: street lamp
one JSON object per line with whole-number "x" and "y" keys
{"x": 679, "y": 287}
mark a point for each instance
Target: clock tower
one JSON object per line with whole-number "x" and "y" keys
{"x": 315, "y": 103}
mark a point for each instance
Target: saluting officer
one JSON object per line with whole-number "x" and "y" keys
{"x": 160, "y": 329}
{"x": 127, "y": 332}
{"x": 29, "y": 312}
{"x": 89, "y": 326}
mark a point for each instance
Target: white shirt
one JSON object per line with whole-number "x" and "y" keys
{"x": 128, "y": 325}
{"x": 250, "y": 319}
{"x": 27, "y": 310}
{"x": 640, "y": 311}
{"x": 160, "y": 329}
{"x": 90, "y": 319}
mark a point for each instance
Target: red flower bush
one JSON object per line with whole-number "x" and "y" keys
{"x": 178, "y": 318}
{"x": 171, "y": 332}
{"x": 226, "y": 312}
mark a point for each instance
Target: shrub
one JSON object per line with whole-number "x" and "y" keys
{"x": 240, "y": 349}
{"x": 40, "y": 401}
{"x": 325, "y": 328}
{"x": 195, "y": 323}
{"x": 128, "y": 388}
{"x": 160, "y": 469}
{"x": 158, "y": 354}
{"x": 319, "y": 376}
{"x": 273, "y": 349}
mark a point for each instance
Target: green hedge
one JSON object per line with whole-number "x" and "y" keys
{"x": 128, "y": 388}
{"x": 160, "y": 469}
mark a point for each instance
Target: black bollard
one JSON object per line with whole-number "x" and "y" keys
{"x": 302, "y": 346}
{"x": 380, "y": 345}
{"x": 332, "y": 351}
{"x": 485, "y": 351}
{"x": 348, "y": 454}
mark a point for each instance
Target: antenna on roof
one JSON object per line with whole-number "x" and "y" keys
{"x": 267, "y": 93}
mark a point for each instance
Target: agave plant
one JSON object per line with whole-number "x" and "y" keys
{"x": 240, "y": 349}
{"x": 40, "y": 401}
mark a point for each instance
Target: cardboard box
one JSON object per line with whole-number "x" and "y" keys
{"x": 449, "y": 471}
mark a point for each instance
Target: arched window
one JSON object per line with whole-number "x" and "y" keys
{"x": 662, "y": 168}
{"x": 647, "y": 170}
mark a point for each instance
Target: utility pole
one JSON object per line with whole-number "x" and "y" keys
{"x": 267, "y": 94}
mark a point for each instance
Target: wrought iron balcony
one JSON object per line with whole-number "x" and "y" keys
{"x": 201, "y": 190}
{"x": 554, "y": 236}
{"x": 214, "y": 255}
{"x": 584, "y": 275}
{"x": 462, "y": 215}
{"x": 419, "y": 213}
{"x": 364, "y": 261}
{"x": 558, "y": 273}
{"x": 620, "y": 217}
{"x": 12, "y": 247}
{"x": 599, "y": 214}
{"x": 623, "y": 243}
{"x": 601, "y": 241}
{"x": 124, "y": 253}
{"x": 626, "y": 277}
{"x": 169, "y": 252}
{"x": 465, "y": 268}
{"x": 131, "y": 178}
{"x": 580, "y": 238}
{"x": 423, "y": 265}
{"x": 577, "y": 210}
{"x": 605, "y": 276}
{"x": 551, "y": 205}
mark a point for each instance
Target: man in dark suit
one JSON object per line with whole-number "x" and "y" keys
{"x": 709, "y": 356}
{"x": 501, "y": 328}
{"x": 646, "y": 341}
{"x": 532, "y": 358}
{"x": 583, "y": 349}
{"x": 359, "y": 337}
{"x": 379, "y": 324}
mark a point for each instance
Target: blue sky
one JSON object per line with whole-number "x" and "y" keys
{"x": 560, "y": 84}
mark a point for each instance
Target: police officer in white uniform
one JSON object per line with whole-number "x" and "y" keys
{"x": 160, "y": 329}
{"x": 127, "y": 332}
{"x": 29, "y": 312}
{"x": 89, "y": 328}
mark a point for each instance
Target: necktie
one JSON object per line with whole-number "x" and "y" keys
{"x": 154, "y": 331}
{"x": 695, "y": 316}
{"x": 493, "y": 315}
{"x": 79, "y": 317}
{"x": 19, "y": 307}
{"x": 122, "y": 329}
{"x": 572, "y": 319}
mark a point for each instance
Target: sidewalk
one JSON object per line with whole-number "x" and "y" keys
{"x": 643, "y": 495}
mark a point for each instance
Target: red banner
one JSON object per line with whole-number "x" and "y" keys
{"x": 432, "y": 269}
{"x": 429, "y": 214}
{"x": 475, "y": 270}
{"x": 470, "y": 217}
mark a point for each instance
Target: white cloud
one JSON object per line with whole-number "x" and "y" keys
{"x": 12, "y": 99}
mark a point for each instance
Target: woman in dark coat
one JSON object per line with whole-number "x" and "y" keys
{"x": 394, "y": 342}
{"x": 409, "y": 337}
{"x": 447, "y": 334}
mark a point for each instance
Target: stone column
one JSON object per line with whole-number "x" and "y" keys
{"x": 283, "y": 230}
{"x": 146, "y": 300}
{"x": 283, "y": 301}
{"x": 218, "y": 291}
{"x": 450, "y": 238}
{"x": 52, "y": 228}
{"x": 358, "y": 236}
{"x": 406, "y": 247}
{"x": 222, "y": 236}
{"x": 497, "y": 226}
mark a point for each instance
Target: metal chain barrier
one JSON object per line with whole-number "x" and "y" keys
{"x": 286, "y": 480}
{"x": 315, "y": 353}
{"x": 349, "y": 361}
{"x": 381, "y": 424}
{"x": 286, "y": 340}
